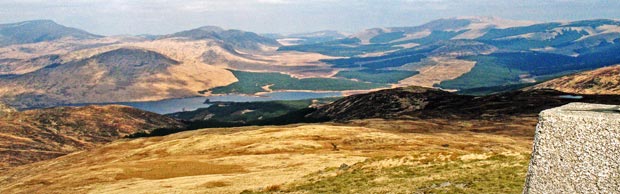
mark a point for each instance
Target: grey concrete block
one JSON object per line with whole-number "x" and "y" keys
{"x": 576, "y": 150}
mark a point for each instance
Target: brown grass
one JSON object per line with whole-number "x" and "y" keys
{"x": 382, "y": 156}
{"x": 163, "y": 170}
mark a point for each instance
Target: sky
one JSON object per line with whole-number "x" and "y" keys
{"x": 116, "y": 17}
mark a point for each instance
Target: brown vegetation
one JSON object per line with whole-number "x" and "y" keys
{"x": 377, "y": 155}
{"x": 601, "y": 81}
{"x": 36, "y": 135}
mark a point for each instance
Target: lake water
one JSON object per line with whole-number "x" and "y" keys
{"x": 193, "y": 103}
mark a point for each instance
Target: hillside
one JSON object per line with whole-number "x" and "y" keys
{"x": 425, "y": 103}
{"x": 39, "y": 31}
{"x": 368, "y": 156}
{"x": 604, "y": 80}
{"x": 36, "y": 135}
{"x": 114, "y": 76}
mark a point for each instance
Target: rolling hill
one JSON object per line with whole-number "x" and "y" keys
{"x": 36, "y": 135}
{"x": 39, "y": 31}
{"x": 600, "y": 81}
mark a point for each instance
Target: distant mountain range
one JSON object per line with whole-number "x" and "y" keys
{"x": 505, "y": 52}
{"x": 46, "y": 64}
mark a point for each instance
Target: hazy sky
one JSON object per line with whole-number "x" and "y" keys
{"x": 112, "y": 17}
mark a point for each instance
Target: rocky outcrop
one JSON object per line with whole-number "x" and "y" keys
{"x": 576, "y": 150}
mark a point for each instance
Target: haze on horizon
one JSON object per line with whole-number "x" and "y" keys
{"x": 114, "y": 17}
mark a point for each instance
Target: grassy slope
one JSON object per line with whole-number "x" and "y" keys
{"x": 443, "y": 156}
{"x": 495, "y": 173}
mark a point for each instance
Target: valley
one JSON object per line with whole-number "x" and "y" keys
{"x": 447, "y": 106}
{"x": 471, "y": 55}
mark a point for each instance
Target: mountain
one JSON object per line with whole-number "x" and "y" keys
{"x": 35, "y": 135}
{"x": 39, "y": 31}
{"x": 600, "y": 81}
{"x": 112, "y": 76}
{"x": 426, "y": 103}
{"x": 237, "y": 38}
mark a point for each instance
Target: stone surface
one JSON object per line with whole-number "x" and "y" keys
{"x": 576, "y": 150}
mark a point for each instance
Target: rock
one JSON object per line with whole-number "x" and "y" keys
{"x": 576, "y": 150}
{"x": 344, "y": 166}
